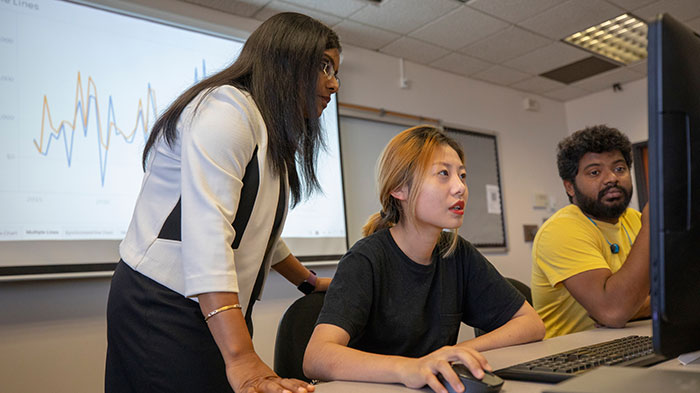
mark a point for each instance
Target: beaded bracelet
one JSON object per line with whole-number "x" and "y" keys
{"x": 222, "y": 309}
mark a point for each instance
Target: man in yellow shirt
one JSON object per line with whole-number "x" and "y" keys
{"x": 591, "y": 258}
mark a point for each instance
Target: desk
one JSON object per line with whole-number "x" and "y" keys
{"x": 504, "y": 357}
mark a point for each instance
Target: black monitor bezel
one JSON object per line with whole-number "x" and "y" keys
{"x": 673, "y": 76}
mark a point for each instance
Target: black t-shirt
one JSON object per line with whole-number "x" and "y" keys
{"x": 391, "y": 305}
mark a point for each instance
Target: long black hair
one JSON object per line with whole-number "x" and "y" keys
{"x": 278, "y": 66}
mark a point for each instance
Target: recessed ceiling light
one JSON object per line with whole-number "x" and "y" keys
{"x": 622, "y": 39}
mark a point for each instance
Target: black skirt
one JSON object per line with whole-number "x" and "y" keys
{"x": 157, "y": 340}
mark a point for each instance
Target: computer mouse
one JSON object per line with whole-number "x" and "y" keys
{"x": 491, "y": 383}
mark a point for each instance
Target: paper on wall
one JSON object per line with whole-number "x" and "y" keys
{"x": 493, "y": 199}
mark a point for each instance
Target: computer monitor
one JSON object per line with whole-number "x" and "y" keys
{"x": 674, "y": 180}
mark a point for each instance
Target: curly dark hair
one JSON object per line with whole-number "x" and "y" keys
{"x": 595, "y": 139}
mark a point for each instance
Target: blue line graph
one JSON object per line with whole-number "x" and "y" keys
{"x": 81, "y": 90}
{"x": 83, "y": 111}
{"x": 204, "y": 72}
{"x": 66, "y": 130}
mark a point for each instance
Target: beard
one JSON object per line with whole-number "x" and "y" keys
{"x": 597, "y": 209}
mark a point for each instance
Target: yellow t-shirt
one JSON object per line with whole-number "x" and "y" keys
{"x": 568, "y": 243}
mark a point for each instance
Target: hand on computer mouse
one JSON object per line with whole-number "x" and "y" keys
{"x": 416, "y": 373}
{"x": 489, "y": 383}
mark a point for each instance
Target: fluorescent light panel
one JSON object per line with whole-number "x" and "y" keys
{"x": 622, "y": 39}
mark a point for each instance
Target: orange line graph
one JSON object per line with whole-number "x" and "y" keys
{"x": 86, "y": 100}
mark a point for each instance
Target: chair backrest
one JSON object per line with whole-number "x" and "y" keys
{"x": 293, "y": 334}
{"x": 522, "y": 288}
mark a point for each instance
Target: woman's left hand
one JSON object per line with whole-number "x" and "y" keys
{"x": 291, "y": 269}
{"x": 322, "y": 284}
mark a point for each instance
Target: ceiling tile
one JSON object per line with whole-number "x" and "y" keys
{"x": 631, "y": 5}
{"x": 501, "y": 75}
{"x": 459, "y": 28}
{"x": 414, "y": 50}
{"x": 547, "y": 58}
{"x": 364, "y": 36}
{"x": 513, "y": 10}
{"x": 276, "y": 6}
{"x": 570, "y": 17}
{"x": 342, "y": 8}
{"x": 460, "y": 64}
{"x": 506, "y": 45}
{"x": 403, "y": 16}
{"x": 481, "y": 33}
{"x": 683, "y": 10}
{"x": 566, "y": 93}
{"x": 607, "y": 79}
{"x": 579, "y": 70}
{"x": 237, "y": 7}
{"x": 537, "y": 85}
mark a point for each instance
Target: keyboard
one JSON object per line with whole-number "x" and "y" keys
{"x": 634, "y": 351}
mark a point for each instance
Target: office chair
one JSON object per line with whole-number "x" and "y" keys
{"x": 522, "y": 288}
{"x": 293, "y": 334}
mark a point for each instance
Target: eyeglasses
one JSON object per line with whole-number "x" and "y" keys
{"x": 329, "y": 72}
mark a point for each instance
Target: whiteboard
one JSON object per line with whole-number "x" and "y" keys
{"x": 362, "y": 141}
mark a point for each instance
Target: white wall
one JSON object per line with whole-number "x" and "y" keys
{"x": 52, "y": 333}
{"x": 625, "y": 110}
{"x": 526, "y": 140}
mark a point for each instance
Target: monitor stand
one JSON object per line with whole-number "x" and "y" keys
{"x": 630, "y": 379}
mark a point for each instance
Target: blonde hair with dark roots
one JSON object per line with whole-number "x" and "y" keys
{"x": 405, "y": 162}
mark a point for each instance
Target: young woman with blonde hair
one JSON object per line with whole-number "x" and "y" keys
{"x": 393, "y": 310}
